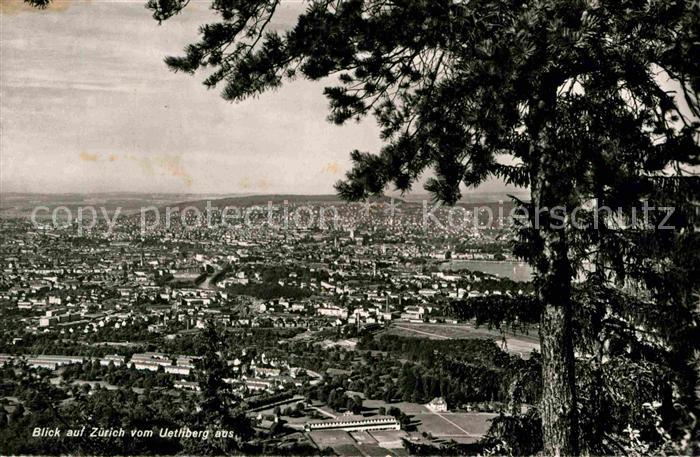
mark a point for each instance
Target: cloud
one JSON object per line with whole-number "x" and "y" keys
{"x": 332, "y": 168}
{"x": 87, "y": 157}
{"x": 262, "y": 184}
{"x": 164, "y": 164}
{"x": 173, "y": 165}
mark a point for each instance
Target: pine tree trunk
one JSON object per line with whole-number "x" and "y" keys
{"x": 558, "y": 408}
{"x": 559, "y": 415}
{"x": 553, "y": 282}
{"x": 551, "y": 188}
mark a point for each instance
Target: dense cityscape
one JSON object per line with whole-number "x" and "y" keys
{"x": 314, "y": 324}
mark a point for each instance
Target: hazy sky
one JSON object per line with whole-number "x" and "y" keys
{"x": 87, "y": 104}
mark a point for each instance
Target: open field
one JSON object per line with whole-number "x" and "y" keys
{"x": 328, "y": 438}
{"x": 364, "y": 444}
{"x": 363, "y": 437}
{"x": 372, "y": 450}
{"x": 347, "y": 450}
{"x": 519, "y": 344}
{"x": 389, "y": 439}
{"x": 460, "y": 427}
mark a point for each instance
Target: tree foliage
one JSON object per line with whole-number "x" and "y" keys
{"x": 219, "y": 408}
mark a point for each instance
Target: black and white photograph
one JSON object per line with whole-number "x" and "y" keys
{"x": 352, "y": 228}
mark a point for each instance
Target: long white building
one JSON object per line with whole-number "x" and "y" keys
{"x": 355, "y": 423}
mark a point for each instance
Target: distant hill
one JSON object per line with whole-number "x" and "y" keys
{"x": 470, "y": 199}
{"x": 276, "y": 199}
{"x": 15, "y": 204}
